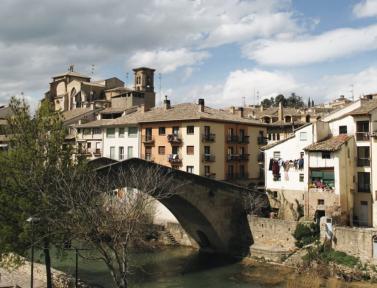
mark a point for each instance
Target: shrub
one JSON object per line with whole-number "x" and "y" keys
{"x": 306, "y": 234}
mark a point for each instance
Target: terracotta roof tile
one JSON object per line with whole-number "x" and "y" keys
{"x": 331, "y": 144}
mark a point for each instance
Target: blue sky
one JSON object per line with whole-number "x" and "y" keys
{"x": 220, "y": 50}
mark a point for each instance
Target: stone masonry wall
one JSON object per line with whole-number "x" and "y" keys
{"x": 275, "y": 233}
{"x": 355, "y": 241}
{"x": 180, "y": 235}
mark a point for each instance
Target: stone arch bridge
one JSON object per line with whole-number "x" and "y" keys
{"x": 213, "y": 213}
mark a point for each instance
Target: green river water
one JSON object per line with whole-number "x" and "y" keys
{"x": 184, "y": 267}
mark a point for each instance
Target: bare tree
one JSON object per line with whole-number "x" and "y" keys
{"x": 108, "y": 210}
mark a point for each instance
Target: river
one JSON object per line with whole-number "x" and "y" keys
{"x": 184, "y": 267}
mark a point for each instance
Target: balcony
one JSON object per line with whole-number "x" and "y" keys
{"x": 147, "y": 139}
{"x": 208, "y": 137}
{"x": 244, "y": 157}
{"x": 175, "y": 159}
{"x": 147, "y": 157}
{"x": 243, "y": 175}
{"x": 362, "y": 136}
{"x": 363, "y": 162}
{"x": 210, "y": 175}
{"x": 244, "y": 140}
{"x": 209, "y": 158}
{"x": 232, "y": 157}
{"x": 262, "y": 140}
{"x": 231, "y": 176}
{"x": 232, "y": 139}
{"x": 174, "y": 139}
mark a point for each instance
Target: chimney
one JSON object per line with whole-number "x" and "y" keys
{"x": 201, "y": 105}
{"x": 240, "y": 112}
{"x": 232, "y": 110}
{"x": 166, "y": 103}
{"x": 280, "y": 111}
{"x": 142, "y": 108}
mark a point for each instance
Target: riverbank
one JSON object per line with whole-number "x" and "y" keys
{"x": 283, "y": 275}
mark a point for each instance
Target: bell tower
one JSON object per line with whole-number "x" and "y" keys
{"x": 144, "y": 82}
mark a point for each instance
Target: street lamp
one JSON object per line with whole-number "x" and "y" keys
{"x": 32, "y": 220}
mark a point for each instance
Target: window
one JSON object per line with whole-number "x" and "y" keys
{"x": 207, "y": 150}
{"x": 326, "y": 155}
{"x": 121, "y": 153}
{"x": 190, "y": 169}
{"x": 132, "y": 132}
{"x": 112, "y": 152}
{"x": 363, "y": 182}
{"x": 230, "y": 171}
{"x": 207, "y": 130}
{"x": 278, "y": 136}
{"x": 89, "y": 145}
{"x": 303, "y": 136}
{"x": 301, "y": 178}
{"x": 175, "y": 149}
{"x": 130, "y": 152}
{"x": 242, "y": 171}
{"x": 363, "y": 156}
{"x": 121, "y": 132}
{"x": 207, "y": 170}
{"x": 230, "y": 132}
{"x": 175, "y": 130}
{"x": 342, "y": 129}
{"x": 190, "y": 150}
{"x": 161, "y": 131}
{"x": 190, "y": 129}
{"x": 110, "y": 133}
{"x": 276, "y": 154}
{"x": 161, "y": 150}
{"x": 362, "y": 129}
{"x": 321, "y": 202}
{"x": 87, "y": 131}
{"x": 96, "y": 130}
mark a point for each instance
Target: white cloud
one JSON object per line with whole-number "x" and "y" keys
{"x": 365, "y": 8}
{"x": 312, "y": 49}
{"x": 241, "y": 83}
{"x": 40, "y": 39}
{"x": 167, "y": 60}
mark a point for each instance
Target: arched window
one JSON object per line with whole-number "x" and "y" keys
{"x": 266, "y": 119}
{"x": 72, "y": 97}
{"x": 307, "y": 118}
{"x": 288, "y": 119}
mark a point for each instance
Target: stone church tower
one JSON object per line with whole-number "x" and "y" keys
{"x": 144, "y": 82}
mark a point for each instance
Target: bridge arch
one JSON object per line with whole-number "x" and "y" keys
{"x": 213, "y": 213}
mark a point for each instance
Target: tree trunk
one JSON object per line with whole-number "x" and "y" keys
{"x": 46, "y": 252}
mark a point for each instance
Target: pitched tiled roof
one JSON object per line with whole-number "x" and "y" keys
{"x": 331, "y": 144}
{"x": 70, "y": 73}
{"x": 365, "y": 108}
{"x": 71, "y": 114}
{"x": 5, "y": 112}
{"x": 182, "y": 112}
{"x": 95, "y": 123}
{"x": 120, "y": 89}
{"x": 93, "y": 84}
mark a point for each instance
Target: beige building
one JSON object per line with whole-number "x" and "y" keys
{"x": 72, "y": 90}
{"x": 281, "y": 121}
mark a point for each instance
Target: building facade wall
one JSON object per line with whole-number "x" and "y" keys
{"x": 125, "y": 142}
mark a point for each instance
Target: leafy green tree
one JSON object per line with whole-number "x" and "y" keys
{"x": 37, "y": 154}
{"x": 266, "y": 103}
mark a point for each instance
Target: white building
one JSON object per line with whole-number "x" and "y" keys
{"x": 312, "y": 169}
